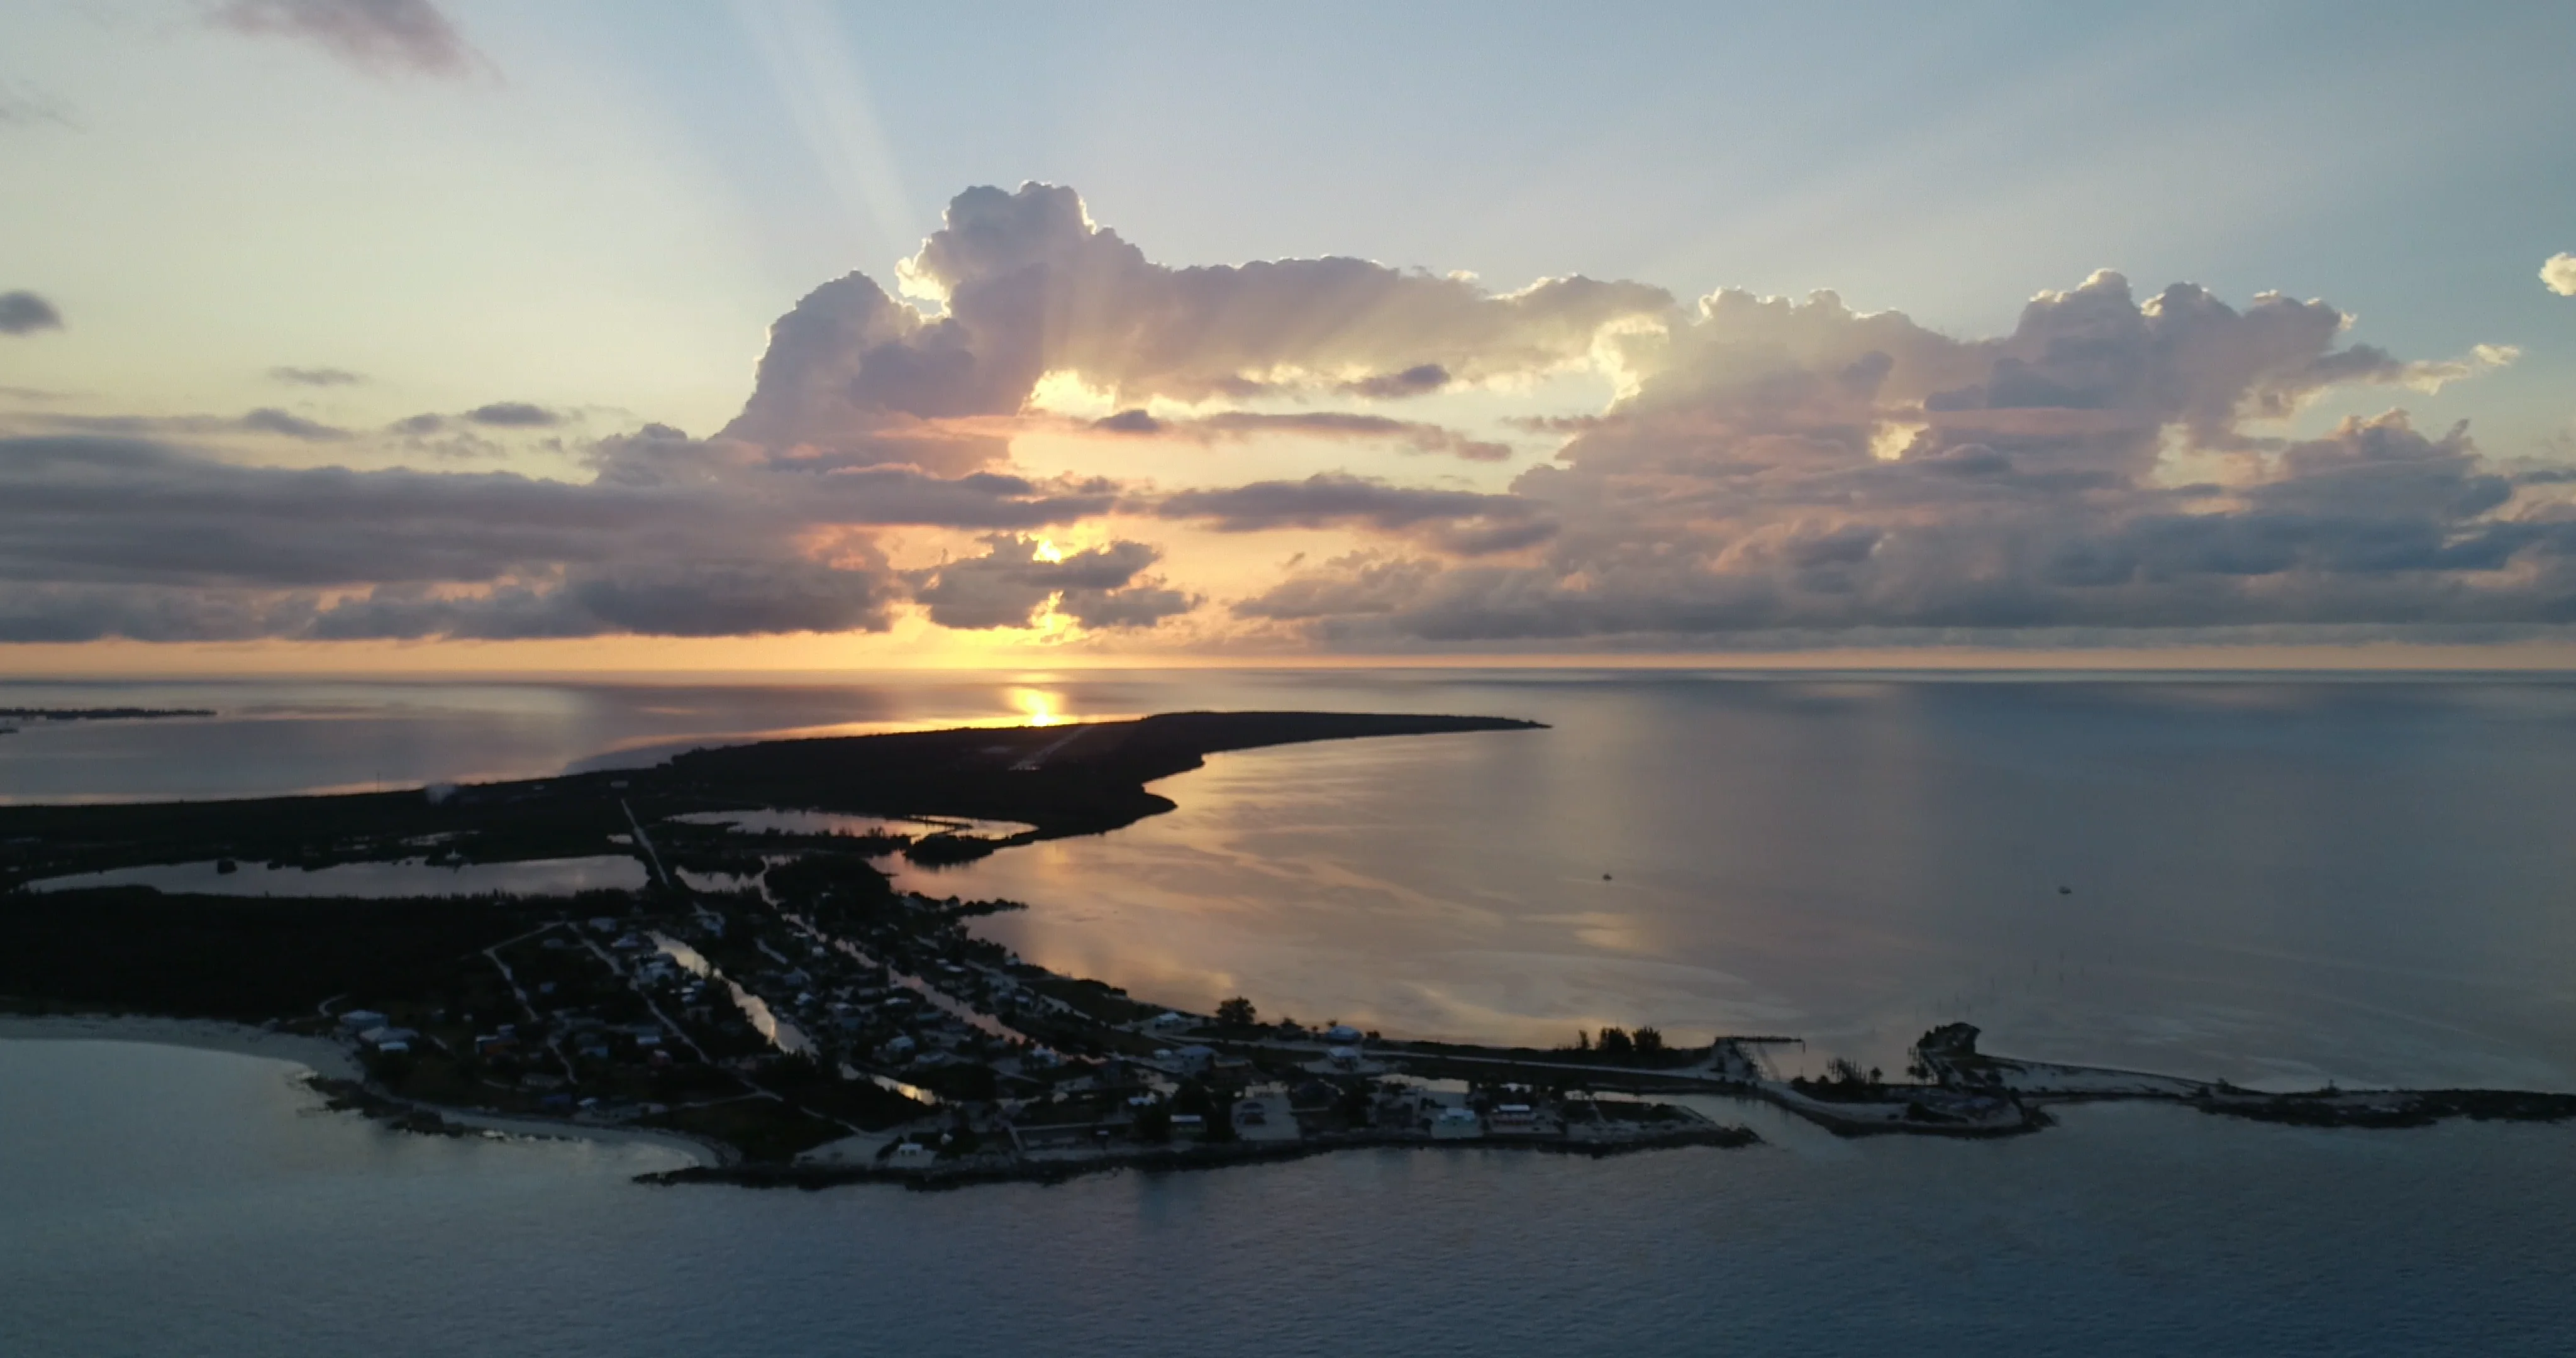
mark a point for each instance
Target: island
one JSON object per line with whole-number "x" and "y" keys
{"x": 13, "y": 717}
{"x": 767, "y": 992}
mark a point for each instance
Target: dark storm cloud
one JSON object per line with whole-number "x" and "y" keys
{"x": 386, "y": 36}
{"x": 24, "y": 313}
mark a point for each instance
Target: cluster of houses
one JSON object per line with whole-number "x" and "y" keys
{"x": 933, "y": 1021}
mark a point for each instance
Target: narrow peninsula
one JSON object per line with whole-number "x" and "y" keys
{"x": 767, "y": 992}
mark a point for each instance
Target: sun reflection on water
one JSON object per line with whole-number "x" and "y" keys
{"x": 1041, "y": 707}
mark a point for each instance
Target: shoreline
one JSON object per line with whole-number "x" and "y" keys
{"x": 325, "y": 1060}
{"x": 319, "y": 1055}
{"x": 1177, "y": 1159}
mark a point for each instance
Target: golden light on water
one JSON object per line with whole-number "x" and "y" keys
{"x": 1041, "y": 707}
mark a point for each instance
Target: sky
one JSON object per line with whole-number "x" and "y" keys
{"x": 378, "y": 334}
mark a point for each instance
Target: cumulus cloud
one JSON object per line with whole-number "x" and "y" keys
{"x": 1029, "y": 285}
{"x": 403, "y": 37}
{"x": 1018, "y": 577}
{"x": 315, "y": 377}
{"x": 2115, "y": 462}
{"x": 1786, "y": 467}
{"x": 2559, "y": 275}
{"x": 25, "y": 313}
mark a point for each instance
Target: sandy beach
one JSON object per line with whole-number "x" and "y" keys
{"x": 321, "y": 1055}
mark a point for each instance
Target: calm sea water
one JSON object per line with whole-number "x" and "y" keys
{"x": 2277, "y": 880}
{"x": 161, "y": 1202}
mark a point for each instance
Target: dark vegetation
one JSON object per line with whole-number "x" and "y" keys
{"x": 99, "y": 713}
{"x": 132, "y": 949}
{"x": 2410, "y": 1108}
{"x": 1843, "y": 1082}
{"x": 1062, "y": 780}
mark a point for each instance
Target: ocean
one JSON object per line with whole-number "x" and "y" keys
{"x": 2282, "y": 880}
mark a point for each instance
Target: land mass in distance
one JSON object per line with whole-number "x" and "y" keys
{"x": 771, "y": 994}
{"x": 9, "y": 715}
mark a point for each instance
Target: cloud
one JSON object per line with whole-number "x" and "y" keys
{"x": 1463, "y": 522}
{"x": 25, "y": 313}
{"x": 459, "y": 436}
{"x": 515, "y": 415}
{"x": 1018, "y": 577}
{"x": 1418, "y": 380}
{"x": 316, "y": 377}
{"x": 1783, "y": 468}
{"x": 269, "y": 420}
{"x": 2559, "y": 275}
{"x": 1031, "y": 286}
{"x": 2114, "y": 464}
{"x": 400, "y": 37}
{"x": 1406, "y": 435}
{"x": 27, "y": 106}
{"x": 122, "y": 536}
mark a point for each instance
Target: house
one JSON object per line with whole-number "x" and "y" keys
{"x": 1457, "y": 1124}
{"x": 1194, "y": 1060}
{"x": 1170, "y": 1019}
{"x": 1344, "y": 1034}
{"x": 1514, "y": 1117}
{"x": 360, "y": 1020}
